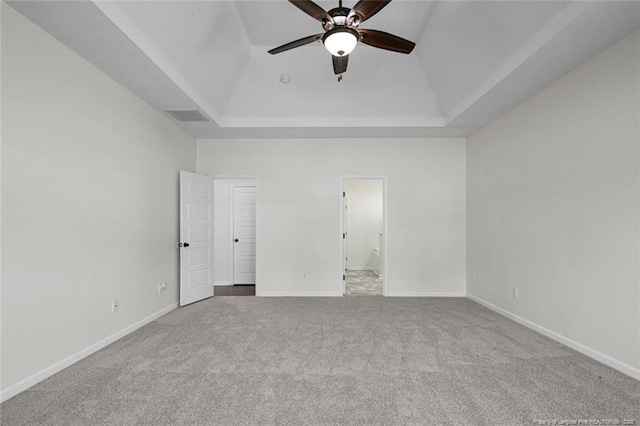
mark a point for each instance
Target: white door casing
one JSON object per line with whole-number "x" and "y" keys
{"x": 244, "y": 235}
{"x": 345, "y": 239}
{"x": 344, "y": 229}
{"x": 195, "y": 237}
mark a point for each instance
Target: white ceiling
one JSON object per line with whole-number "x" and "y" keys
{"x": 473, "y": 61}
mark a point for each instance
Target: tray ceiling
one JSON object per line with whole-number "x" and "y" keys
{"x": 473, "y": 61}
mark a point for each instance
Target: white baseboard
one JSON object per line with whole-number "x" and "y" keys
{"x": 585, "y": 350}
{"x": 36, "y": 378}
{"x": 298, "y": 294}
{"x": 425, "y": 294}
{"x": 222, "y": 283}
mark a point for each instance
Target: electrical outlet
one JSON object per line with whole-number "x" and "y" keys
{"x": 162, "y": 287}
{"x": 514, "y": 291}
{"x": 304, "y": 275}
{"x": 115, "y": 306}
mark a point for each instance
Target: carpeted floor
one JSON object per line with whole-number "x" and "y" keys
{"x": 330, "y": 361}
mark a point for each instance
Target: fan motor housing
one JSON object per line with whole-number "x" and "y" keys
{"x": 339, "y": 15}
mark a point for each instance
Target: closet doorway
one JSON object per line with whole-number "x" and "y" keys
{"x": 234, "y": 236}
{"x": 364, "y": 236}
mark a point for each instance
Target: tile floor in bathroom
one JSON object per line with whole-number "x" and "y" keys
{"x": 363, "y": 283}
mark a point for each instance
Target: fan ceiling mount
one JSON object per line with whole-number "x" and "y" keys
{"x": 342, "y": 33}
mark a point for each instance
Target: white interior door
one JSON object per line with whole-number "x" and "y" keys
{"x": 244, "y": 234}
{"x": 195, "y": 237}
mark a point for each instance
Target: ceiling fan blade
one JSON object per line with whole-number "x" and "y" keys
{"x": 387, "y": 41}
{"x": 340, "y": 63}
{"x": 313, "y": 10}
{"x": 295, "y": 44}
{"x": 365, "y": 9}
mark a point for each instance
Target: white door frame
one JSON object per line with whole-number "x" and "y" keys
{"x": 255, "y": 183}
{"x": 385, "y": 252}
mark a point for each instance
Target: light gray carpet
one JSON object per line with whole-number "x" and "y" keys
{"x": 362, "y": 283}
{"x": 330, "y": 361}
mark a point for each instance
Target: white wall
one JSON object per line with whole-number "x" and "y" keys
{"x": 89, "y": 204}
{"x": 299, "y": 199}
{"x": 552, "y": 207}
{"x": 222, "y": 233}
{"x": 365, "y": 220}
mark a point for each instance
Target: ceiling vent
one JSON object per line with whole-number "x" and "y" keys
{"x": 187, "y": 115}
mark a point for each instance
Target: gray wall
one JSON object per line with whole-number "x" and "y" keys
{"x": 89, "y": 204}
{"x": 299, "y": 203}
{"x": 552, "y": 207}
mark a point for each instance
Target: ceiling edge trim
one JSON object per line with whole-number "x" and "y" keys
{"x": 559, "y": 22}
{"x": 375, "y": 122}
{"x": 120, "y": 20}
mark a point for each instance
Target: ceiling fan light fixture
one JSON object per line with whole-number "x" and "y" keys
{"x": 340, "y": 41}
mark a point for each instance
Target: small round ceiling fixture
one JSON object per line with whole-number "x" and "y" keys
{"x": 284, "y": 78}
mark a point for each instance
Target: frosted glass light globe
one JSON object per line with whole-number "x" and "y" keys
{"x": 340, "y": 41}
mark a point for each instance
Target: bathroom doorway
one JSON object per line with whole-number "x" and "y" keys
{"x": 363, "y": 223}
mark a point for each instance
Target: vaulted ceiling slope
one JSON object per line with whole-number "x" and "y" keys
{"x": 472, "y": 62}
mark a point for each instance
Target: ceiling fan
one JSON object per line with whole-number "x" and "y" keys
{"x": 342, "y": 33}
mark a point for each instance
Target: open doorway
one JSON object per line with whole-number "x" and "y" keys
{"x": 363, "y": 223}
{"x": 234, "y": 236}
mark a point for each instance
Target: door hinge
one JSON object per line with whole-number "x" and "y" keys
{"x": 344, "y": 235}
{"x": 344, "y": 277}
{"x": 344, "y": 194}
